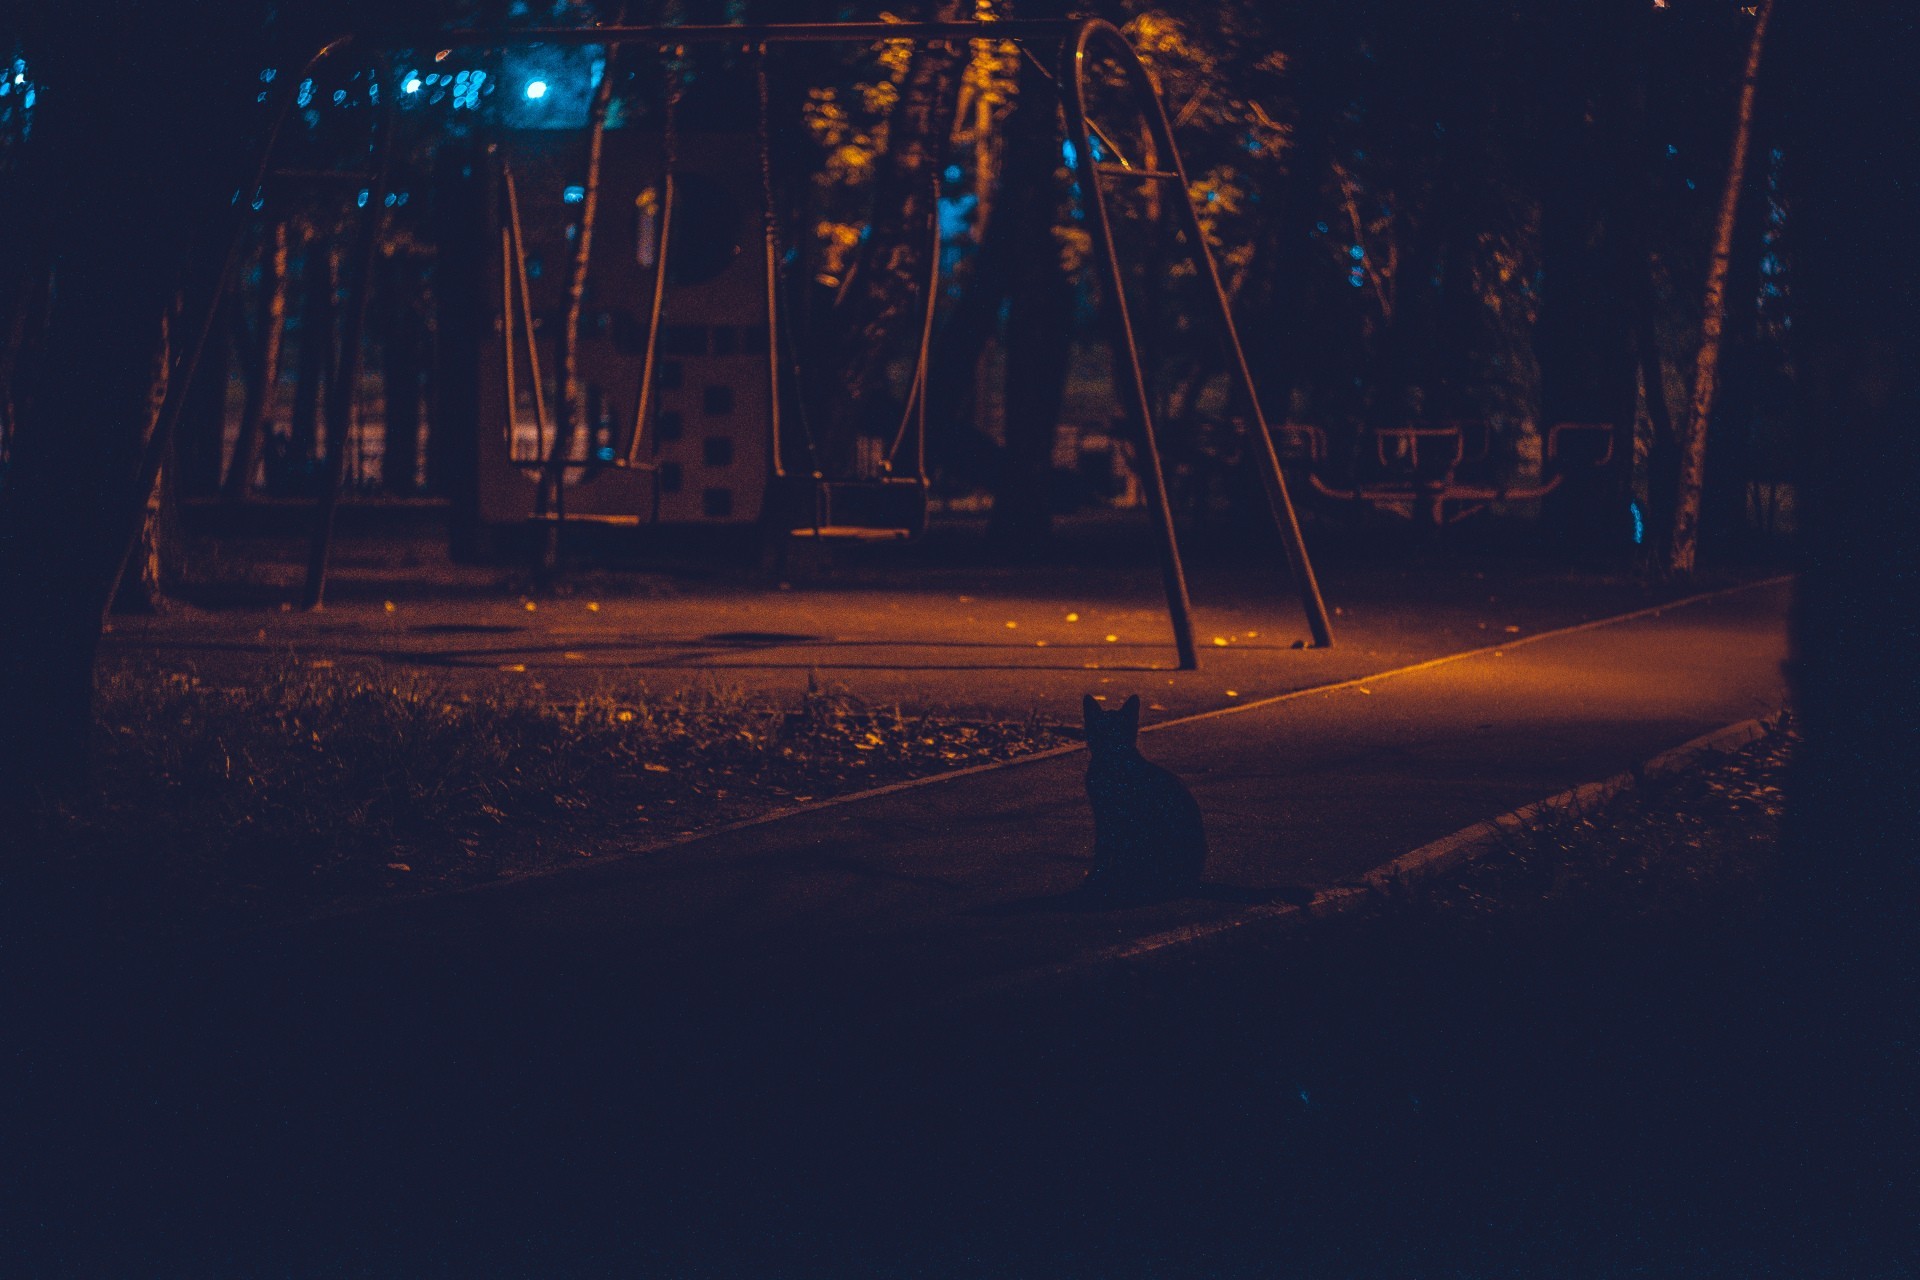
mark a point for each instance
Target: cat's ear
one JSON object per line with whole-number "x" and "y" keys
{"x": 1131, "y": 710}
{"x": 1089, "y": 709}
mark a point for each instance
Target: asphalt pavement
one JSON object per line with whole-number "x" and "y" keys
{"x": 971, "y": 878}
{"x": 692, "y": 1060}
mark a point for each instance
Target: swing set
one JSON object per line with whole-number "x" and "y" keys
{"x": 884, "y": 495}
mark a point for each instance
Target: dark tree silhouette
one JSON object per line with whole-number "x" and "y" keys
{"x": 1849, "y": 985}
{"x": 122, "y": 201}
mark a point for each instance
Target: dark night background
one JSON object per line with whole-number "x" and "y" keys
{"x": 1486, "y": 211}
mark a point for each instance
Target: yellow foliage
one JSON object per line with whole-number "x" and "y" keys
{"x": 895, "y": 55}
{"x": 850, "y": 162}
{"x": 1075, "y": 244}
{"x": 837, "y": 240}
{"x": 825, "y": 118}
{"x": 1216, "y": 196}
{"x": 879, "y": 98}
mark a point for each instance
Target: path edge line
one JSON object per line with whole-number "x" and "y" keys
{"x": 1518, "y": 642}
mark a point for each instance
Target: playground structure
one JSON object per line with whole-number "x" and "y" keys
{"x": 632, "y": 462}
{"x": 1440, "y": 473}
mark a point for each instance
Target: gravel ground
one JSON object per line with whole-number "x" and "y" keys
{"x": 316, "y": 787}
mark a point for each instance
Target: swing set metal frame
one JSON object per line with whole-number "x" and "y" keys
{"x": 1076, "y": 45}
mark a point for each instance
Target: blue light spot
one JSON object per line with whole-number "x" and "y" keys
{"x": 1320, "y": 227}
{"x": 1639, "y": 525}
{"x": 574, "y": 195}
{"x": 1068, "y": 154}
{"x": 362, "y": 201}
{"x": 536, "y": 90}
{"x": 954, "y": 212}
{"x": 339, "y": 96}
{"x": 1672, "y": 150}
{"x": 266, "y": 77}
{"x": 306, "y": 93}
{"x": 466, "y": 89}
{"x": 955, "y": 173}
{"x": 412, "y": 85}
{"x": 1356, "y": 253}
{"x": 259, "y": 203}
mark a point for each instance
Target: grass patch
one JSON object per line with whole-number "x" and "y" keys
{"x": 317, "y": 788}
{"x": 1707, "y": 837}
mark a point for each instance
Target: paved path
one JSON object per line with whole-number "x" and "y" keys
{"x": 983, "y": 642}
{"x": 728, "y": 1037}
{"x": 967, "y": 879}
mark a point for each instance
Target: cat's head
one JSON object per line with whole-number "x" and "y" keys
{"x": 1111, "y": 730}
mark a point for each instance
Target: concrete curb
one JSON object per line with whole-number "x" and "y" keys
{"x": 1428, "y": 861}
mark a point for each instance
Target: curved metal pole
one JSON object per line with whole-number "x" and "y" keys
{"x": 1131, "y": 385}
{"x": 1267, "y": 459}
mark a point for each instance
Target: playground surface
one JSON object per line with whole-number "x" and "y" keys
{"x": 633, "y": 1046}
{"x": 970, "y": 878}
{"x": 930, "y": 628}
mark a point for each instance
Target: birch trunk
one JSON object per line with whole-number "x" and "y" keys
{"x": 1683, "y": 545}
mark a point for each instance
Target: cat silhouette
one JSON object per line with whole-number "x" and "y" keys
{"x": 1147, "y": 837}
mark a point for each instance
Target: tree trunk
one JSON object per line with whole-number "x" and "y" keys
{"x": 1847, "y": 995}
{"x": 319, "y": 282}
{"x": 956, "y": 446}
{"x": 1683, "y": 544}
{"x": 402, "y": 362}
{"x": 62, "y": 536}
{"x": 1663, "y": 452}
{"x": 1740, "y": 403}
{"x": 127, "y": 216}
{"x": 1039, "y": 318}
{"x": 262, "y": 362}
{"x": 464, "y": 190}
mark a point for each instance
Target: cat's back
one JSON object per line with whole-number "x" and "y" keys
{"x": 1150, "y": 792}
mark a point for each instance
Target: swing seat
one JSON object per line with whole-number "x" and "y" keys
{"x": 883, "y": 509}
